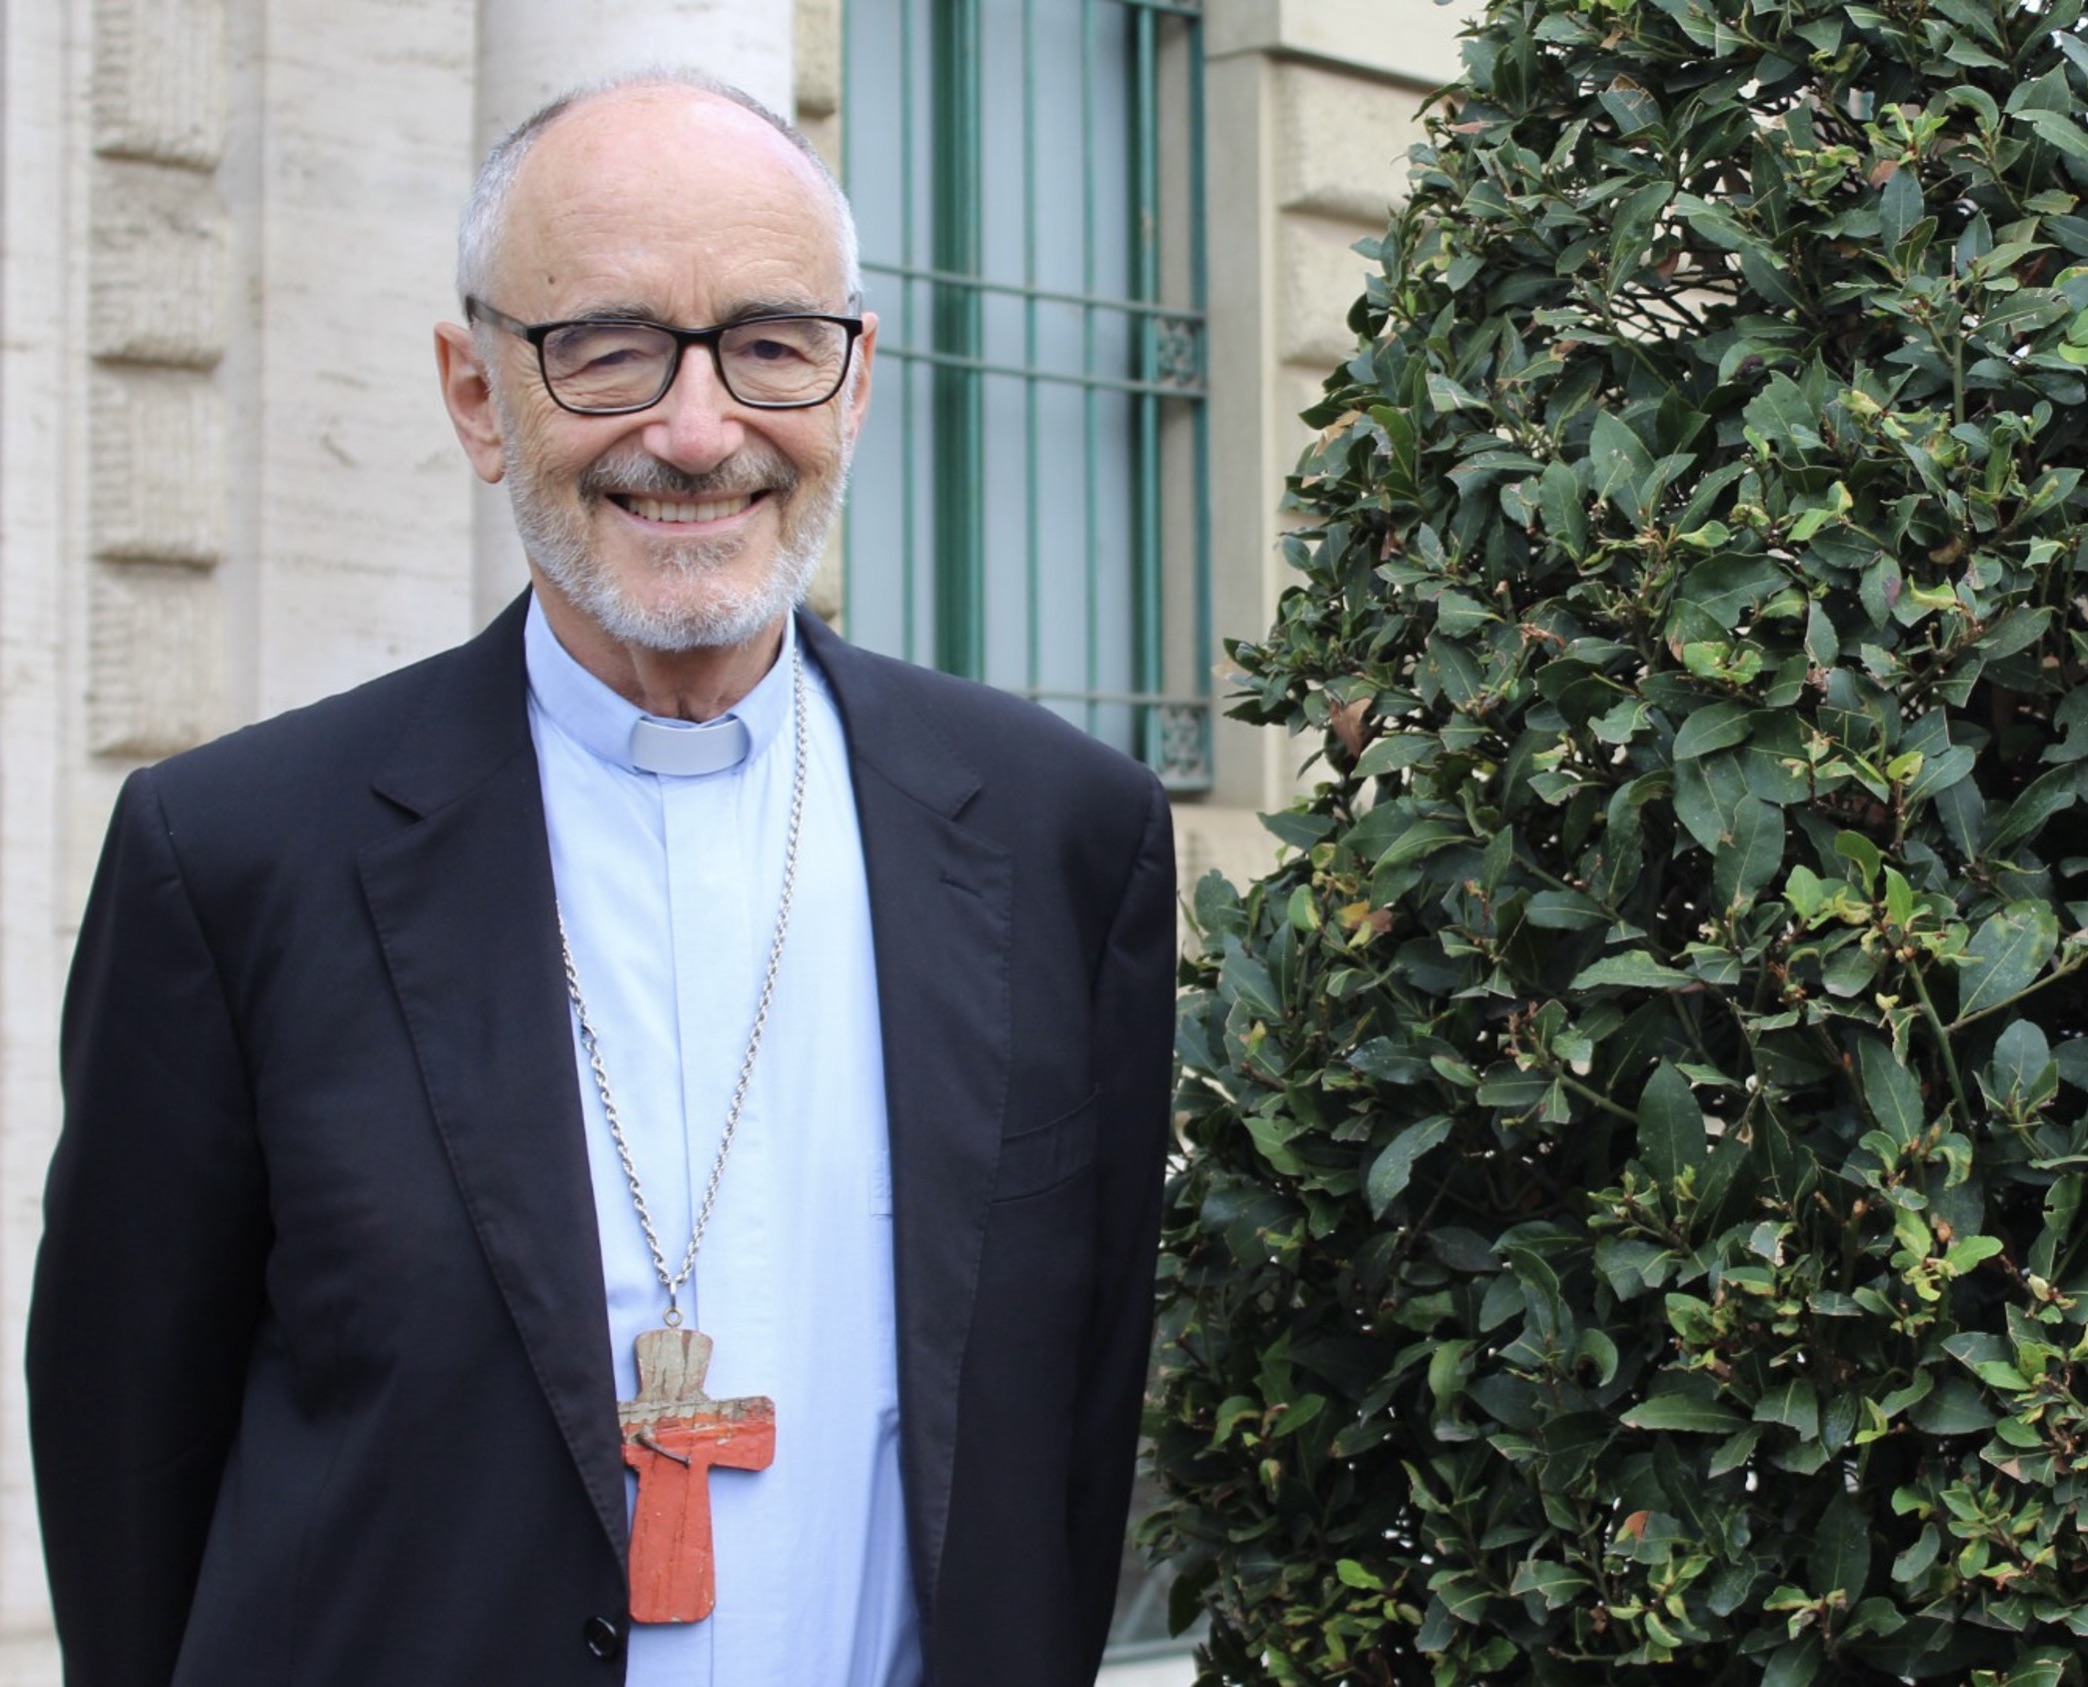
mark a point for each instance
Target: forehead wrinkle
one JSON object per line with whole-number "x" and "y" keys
{"x": 746, "y": 310}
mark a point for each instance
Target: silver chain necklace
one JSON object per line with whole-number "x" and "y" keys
{"x": 672, "y": 1283}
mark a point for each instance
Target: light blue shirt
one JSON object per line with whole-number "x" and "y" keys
{"x": 669, "y": 887}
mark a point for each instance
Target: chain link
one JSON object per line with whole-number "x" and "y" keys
{"x": 592, "y": 1044}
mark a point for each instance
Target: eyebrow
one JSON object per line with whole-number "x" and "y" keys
{"x": 614, "y": 312}
{"x": 745, "y": 311}
{"x": 776, "y": 307}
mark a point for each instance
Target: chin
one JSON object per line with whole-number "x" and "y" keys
{"x": 687, "y": 607}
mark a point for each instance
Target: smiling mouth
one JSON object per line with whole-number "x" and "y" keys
{"x": 674, "y": 510}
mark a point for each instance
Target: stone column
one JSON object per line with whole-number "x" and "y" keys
{"x": 1310, "y": 108}
{"x": 350, "y": 154}
{"x": 531, "y": 50}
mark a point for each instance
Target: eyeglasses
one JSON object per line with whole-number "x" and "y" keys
{"x": 609, "y": 367}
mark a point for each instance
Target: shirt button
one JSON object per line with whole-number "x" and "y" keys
{"x": 604, "y": 1638}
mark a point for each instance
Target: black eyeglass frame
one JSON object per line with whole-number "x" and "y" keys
{"x": 536, "y": 333}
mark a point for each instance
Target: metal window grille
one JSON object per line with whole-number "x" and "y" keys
{"x": 1028, "y": 178}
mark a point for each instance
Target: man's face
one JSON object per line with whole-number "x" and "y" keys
{"x": 696, "y": 522}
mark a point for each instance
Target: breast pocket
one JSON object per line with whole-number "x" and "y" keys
{"x": 1039, "y": 1160}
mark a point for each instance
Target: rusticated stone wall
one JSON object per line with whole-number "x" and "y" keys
{"x": 227, "y": 484}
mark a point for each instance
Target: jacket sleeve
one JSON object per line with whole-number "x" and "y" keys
{"x": 1134, "y": 1037}
{"x": 149, "y": 1279}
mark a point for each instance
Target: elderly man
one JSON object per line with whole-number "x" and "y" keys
{"x": 631, "y": 1149}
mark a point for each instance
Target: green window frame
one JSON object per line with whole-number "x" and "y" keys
{"x": 1035, "y": 515}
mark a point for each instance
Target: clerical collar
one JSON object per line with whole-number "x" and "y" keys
{"x": 616, "y": 731}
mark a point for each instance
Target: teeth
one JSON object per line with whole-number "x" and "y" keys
{"x": 714, "y": 509}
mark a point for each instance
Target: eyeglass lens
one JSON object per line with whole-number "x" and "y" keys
{"x": 611, "y": 365}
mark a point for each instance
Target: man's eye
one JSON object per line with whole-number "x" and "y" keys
{"x": 613, "y": 357}
{"x": 770, "y": 350}
{"x": 601, "y": 351}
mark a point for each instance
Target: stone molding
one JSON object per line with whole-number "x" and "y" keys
{"x": 158, "y": 289}
{"x": 817, "y": 49}
{"x": 158, "y": 466}
{"x": 1340, "y": 142}
{"x": 158, "y": 265}
{"x": 155, "y": 640}
{"x": 1409, "y": 41}
{"x": 160, "y": 80}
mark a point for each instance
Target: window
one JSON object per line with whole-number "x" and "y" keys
{"x": 1030, "y": 509}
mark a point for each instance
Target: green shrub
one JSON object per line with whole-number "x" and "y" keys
{"x": 1633, "y": 1228}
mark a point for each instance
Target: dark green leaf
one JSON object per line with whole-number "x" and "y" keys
{"x": 1727, "y": 589}
{"x": 2022, "y": 1061}
{"x": 2005, "y": 956}
{"x": 1822, "y": 644}
{"x": 1636, "y": 969}
{"x": 1912, "y": 1564}
{"x": 1956, "y": 1407}
{"x": 1392, "y": 1170}
{"x": 1563, "y": 910}
{"x": 1446, "y": 395}
{"x": 1891, "y": 1092}
{"x": 1796, "y": 1663}
{"x": 1671, "y": 1126}
{"x": 1621, "y": 462}
{"x": 1795, "y": 1405}
{"x": 1245, "y": 980}
{"x": 1708, "y": 795}
{"x": 2046, "y": 795}
{"x": 2060, "y": 129}
{"x": 1396, "y": 750}
{"x": 1553, "y": 1583}
{"x": 1841, "y": 1549}
{"x": 1564, "y": 506}
{"x": 1940, "y": 771}
{"x": 1632, "y": 108}
{"x": 1754, "y": 858}
{"x": 1300, "y": 831}
{"x": 1685, "y": 1413}
{"x": 1899, "y": 206}
{"x": 1713, "y": 727}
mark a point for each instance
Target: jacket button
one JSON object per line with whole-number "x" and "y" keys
{"x": 604, "y": 1638}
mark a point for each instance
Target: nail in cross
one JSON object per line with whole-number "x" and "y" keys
{"x": 673, "y": 1435}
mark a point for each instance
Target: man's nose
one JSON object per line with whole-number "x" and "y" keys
{"x": 698, "y": 424}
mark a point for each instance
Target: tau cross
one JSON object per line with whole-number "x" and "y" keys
{"x": 673, "y": 1434}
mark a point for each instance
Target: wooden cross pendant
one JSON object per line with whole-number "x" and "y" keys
{"x": 673, "y": 1434}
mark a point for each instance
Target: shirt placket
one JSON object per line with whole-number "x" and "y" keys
{"x": 720, "y": 920}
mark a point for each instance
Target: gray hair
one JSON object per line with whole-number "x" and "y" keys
{"x": 485, "y": 212}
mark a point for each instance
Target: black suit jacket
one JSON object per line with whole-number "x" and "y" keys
{"x": 319, "y": 1361}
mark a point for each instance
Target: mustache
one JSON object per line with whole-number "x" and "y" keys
{"x": 636, "y": 472}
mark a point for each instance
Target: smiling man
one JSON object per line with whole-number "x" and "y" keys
{"x": 629, "y": 1150}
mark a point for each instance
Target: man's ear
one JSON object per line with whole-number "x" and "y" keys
{"x": 469, "y": 397}
{"x": 859, "y": 388}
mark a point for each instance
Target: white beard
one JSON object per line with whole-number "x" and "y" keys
{"x": 706, "y": 610}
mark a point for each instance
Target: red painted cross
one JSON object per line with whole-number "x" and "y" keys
{"x": 674, "y": 1434}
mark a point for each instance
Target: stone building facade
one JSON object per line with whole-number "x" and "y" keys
{"x": 227, "y": 484}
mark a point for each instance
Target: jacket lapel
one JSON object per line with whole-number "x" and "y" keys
{"x": 940, "y": 911}
{"x": 464, "y": 908}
